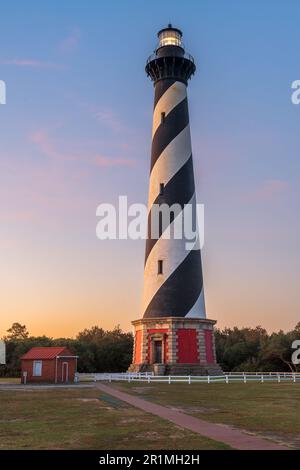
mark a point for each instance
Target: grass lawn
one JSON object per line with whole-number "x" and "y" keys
{"x": 272, "y": 410}
{"x": 8, "y": 380}
{"x": 86, "y": 419}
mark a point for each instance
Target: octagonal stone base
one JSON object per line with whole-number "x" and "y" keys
{"x": 174, "y": 346}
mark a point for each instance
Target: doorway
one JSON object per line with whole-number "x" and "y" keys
{"x": 65, "y": 372}
{"x": 158, "y": 359}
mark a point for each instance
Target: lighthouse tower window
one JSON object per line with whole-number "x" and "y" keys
{"x": 160, "y": 266}
{"x": 162, "y": 117}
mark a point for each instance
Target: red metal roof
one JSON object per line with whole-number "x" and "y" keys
{"x": 46, "y": 353}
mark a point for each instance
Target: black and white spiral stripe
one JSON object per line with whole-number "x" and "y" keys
{"x": 178, "y": 292}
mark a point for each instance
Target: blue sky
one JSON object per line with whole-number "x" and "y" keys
{"x": 76, "y": 131}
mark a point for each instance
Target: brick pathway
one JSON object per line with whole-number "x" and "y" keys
{"x": 218, "y": 432}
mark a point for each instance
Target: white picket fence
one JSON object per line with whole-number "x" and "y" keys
{"x": 99, "y": 376}
{"x": 284, "y": 374}
{"x": 226, "y": 378}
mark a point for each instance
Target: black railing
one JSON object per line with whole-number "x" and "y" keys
{"x": 185, "y": 55}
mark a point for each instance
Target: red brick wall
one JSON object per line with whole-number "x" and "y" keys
{"x": 187, "y": 346}
{"x": 138, "y": 347}
{"x": 48, "y": 370}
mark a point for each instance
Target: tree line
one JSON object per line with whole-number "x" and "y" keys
{"x": 253, "y": 349}
{"x": 99, "y": 350}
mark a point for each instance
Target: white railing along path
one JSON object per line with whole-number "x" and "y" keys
{"x": 225, "y": 378}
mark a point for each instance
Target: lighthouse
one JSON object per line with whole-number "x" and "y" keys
{"x": 173, "y": 336}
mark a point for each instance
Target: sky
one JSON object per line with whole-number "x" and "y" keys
{"x": 76, "y": 132}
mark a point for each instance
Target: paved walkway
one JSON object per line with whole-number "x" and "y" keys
{"x": 218, "y": 432}
{"x": 19, "y": 387}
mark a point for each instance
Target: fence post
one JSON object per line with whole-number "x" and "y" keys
{"x": 149, "y": 378}
{"x": 189, "y": 380}
{"x": 278, "y": 378}
{"x": 226, "y": 379}
{"x": 245, "y": 379}
{"x": 294, "y": 378}
{"x": 110, "y": 377}
{"x": 208, "y": 379}
{"x": 169, "y": 380}
{"x": 262, "y": 378}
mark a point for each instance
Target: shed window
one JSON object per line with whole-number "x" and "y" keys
{"x": 160, "y": 266}
{"x": 37, "y": 368}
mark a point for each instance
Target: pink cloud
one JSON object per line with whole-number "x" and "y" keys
{"x": 108, "y": 162}
{"x": 46, "y": 145}
{"x": 270, "y": 189}
{"x": 70, "y": 43}
{"x": 104, "y": 116}
{"x": 41, "y": 192}
{"x": 32, "y": 63}
{"x": 108, "y": 118}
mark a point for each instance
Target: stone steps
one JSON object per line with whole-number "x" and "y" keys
{"x": 177, "y": 369}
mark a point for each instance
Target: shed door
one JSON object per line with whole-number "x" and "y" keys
{"x": 65, "y": 372}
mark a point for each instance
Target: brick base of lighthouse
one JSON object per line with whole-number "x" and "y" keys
{"x": 174, "y": 346}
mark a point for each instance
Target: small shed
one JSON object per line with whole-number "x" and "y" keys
{"x": 53, "y": 364}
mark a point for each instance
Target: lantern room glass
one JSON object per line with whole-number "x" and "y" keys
{"x": 169, "y": 37}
